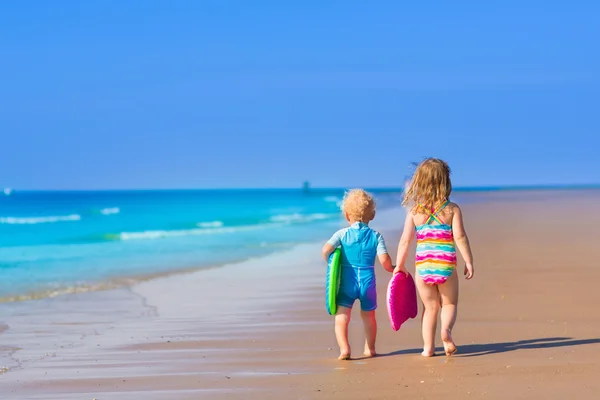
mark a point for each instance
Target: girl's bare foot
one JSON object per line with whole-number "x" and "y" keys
{"x": 449, "y": 346}
{"x": 370, "y": 352}
{"x": 428, "y": 353}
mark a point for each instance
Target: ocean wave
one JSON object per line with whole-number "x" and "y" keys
{"x": 161, "y": 234}
{"x": 297, "y": 217}
{"x": 212, "y": 224}
{"x": 110, "y": 211}
{"x": 215, "y": 227}
{"x": 39, "y": 220}
{"x": 333, "y": 199}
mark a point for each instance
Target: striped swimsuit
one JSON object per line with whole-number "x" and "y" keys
{"x": 435, "y": 254}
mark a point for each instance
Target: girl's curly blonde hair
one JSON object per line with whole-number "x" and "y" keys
{"x": 430, "y": 186}
{"x": 359, "y": 206}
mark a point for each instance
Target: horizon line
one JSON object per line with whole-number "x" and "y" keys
{"x": 322, "y": 188}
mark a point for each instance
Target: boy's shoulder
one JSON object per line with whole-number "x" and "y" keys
{"x": 339, "y": 234}
{"x": 342, "y": 231}
{"x": 376, "y": 232}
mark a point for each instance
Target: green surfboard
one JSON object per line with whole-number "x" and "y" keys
{"x": 334, "y": 271}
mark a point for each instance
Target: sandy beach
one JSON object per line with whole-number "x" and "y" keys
{"x": 528, "y": 323}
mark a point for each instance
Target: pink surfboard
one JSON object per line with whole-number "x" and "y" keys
{"x": 401, "y": 300}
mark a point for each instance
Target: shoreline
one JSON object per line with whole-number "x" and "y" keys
{"x": 126, "y": 281}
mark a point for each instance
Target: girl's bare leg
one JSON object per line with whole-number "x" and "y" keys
{"x": 342, "y": 320}
{"x": 431, "y": 306}
{"x": 449, "y": 293}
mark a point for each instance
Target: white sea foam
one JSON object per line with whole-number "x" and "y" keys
{"x": 110, "y": 211}
{"x": 160, "y": 234}
{"x": 217, "y": 227}
{"x": 39, "y": 220}
{"x": 333, "y": 199}
{"x": 297, "y": 217}
{"x": 212, "y": 224}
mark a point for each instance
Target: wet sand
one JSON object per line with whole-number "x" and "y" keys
{"x": 528, "y": 324}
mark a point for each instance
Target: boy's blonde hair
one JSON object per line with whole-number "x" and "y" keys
{"x": 430, "y": 185}
{"x": 359, "y": 205}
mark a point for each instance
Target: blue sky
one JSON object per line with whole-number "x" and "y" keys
{"x": 181, "y": 94}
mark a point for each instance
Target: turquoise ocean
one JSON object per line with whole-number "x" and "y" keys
{"x": 61, "y": 242}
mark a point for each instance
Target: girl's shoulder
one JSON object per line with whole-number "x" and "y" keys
{"x": 451, "y": 210}
{"x": 452, "y": 206}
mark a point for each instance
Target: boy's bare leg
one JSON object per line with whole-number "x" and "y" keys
{"x": 342, "y": 320}
{"x": 370, "y": 324}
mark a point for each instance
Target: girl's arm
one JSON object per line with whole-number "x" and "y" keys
{"x": 462, "y": 241}
{"x": 405, "y": 241}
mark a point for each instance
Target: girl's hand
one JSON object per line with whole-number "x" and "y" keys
{"x": 469, "y": 271}
{"x": 400, "y": 268}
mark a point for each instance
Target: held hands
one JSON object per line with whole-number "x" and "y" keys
{"x": 400, "y": 268}
{"x": 469, "y": 271}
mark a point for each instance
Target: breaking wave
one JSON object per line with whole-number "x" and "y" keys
{"x": 39, "y": 220}
{"x": 110, "y": 211}
{"x": 212, "y": 224}
{"x": 160, "y": 234}
{"x": 297, "y": 217}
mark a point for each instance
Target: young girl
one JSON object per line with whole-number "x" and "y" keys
{"x": 360, "y": 246}
{"x": 438, "y": 225}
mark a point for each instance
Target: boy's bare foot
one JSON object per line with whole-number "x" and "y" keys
{"x": 449, "y": 345}
{"x": 428, "y": 353}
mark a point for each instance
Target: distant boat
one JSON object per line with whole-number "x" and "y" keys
{"x": 7, "y": 191}
{"x": 306, "y": 187}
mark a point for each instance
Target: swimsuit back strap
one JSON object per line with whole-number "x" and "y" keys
{"x": 434, "y": 214}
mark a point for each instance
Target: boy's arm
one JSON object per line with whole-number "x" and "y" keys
{"x": 327, "y": 250}
{"x": 405, "y": 240}
{"x": 382, "y": 254}
{"x": 386, "y": 262}
{"x": 462, "y": 242}
{"x": 331, "y": 245}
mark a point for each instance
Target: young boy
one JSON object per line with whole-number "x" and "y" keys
{"x": 360, "y": 246}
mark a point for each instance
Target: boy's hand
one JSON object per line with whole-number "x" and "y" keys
{"x": 400, "y": 268}
{"x": 469, "y": 271}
